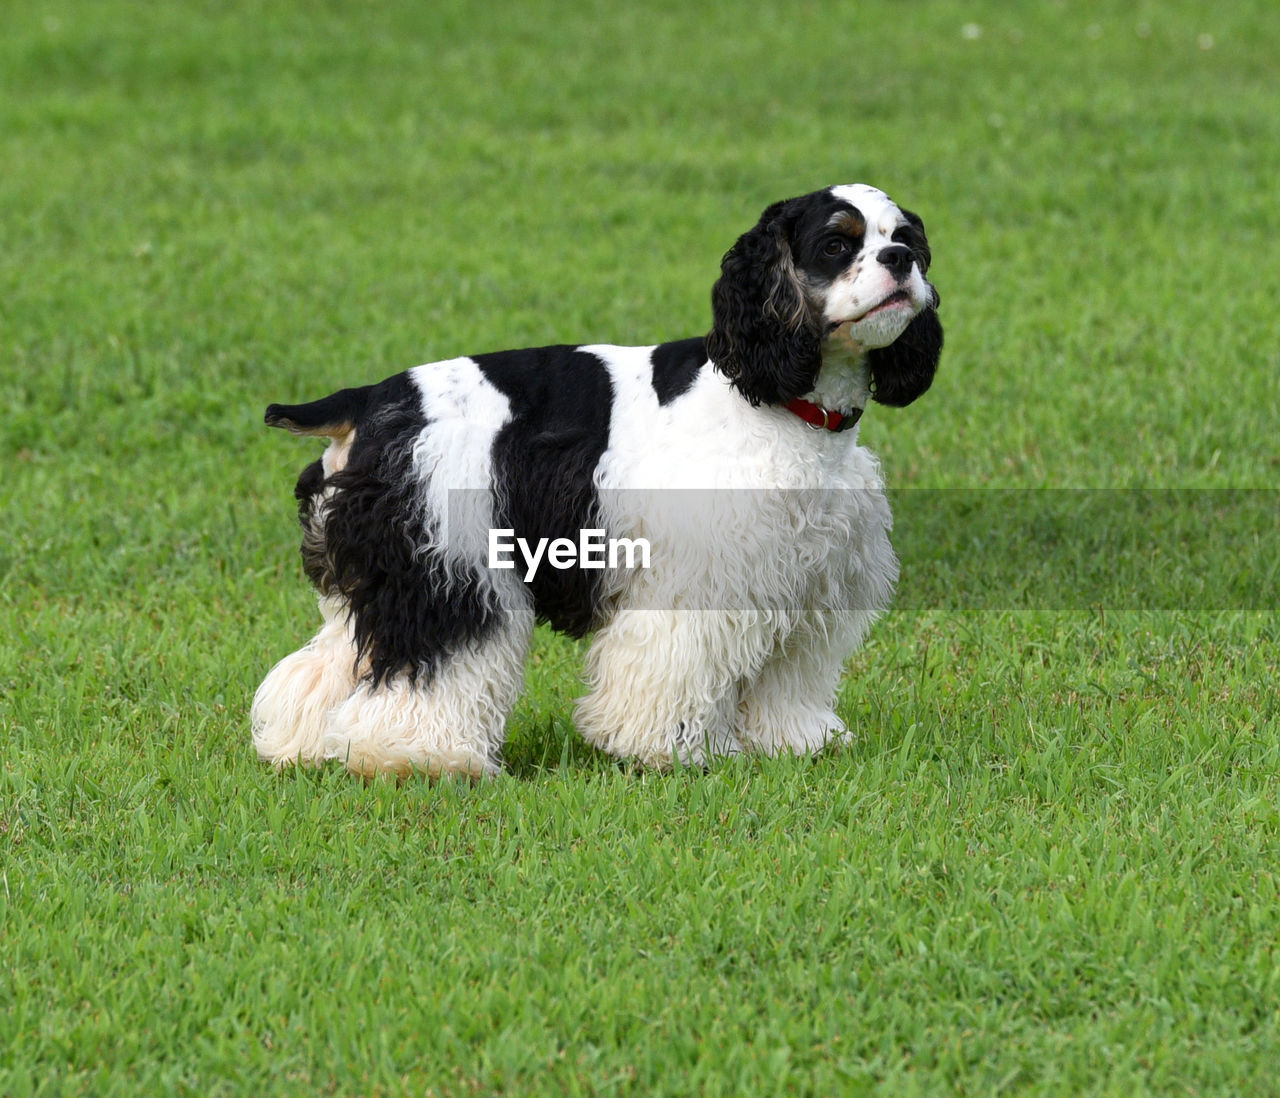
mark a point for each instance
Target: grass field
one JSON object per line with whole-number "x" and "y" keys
{"x": 1046, "y": 863}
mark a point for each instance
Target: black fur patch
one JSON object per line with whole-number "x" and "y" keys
{"x": 676, "y": 366}
{"x": 365, "y": 541}
{"x": 544, "y": 460}
{"x": 306, "y": 492}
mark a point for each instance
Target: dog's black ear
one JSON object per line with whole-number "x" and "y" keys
{"x": 764, "y": 336}
{"x": 904, "y": 370}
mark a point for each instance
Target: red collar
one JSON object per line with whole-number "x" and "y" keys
{"x": 819, "y": 417}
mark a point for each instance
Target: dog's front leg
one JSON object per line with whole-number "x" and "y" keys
{"x": 789, "y": 707}
{"x": 664, "y": 684}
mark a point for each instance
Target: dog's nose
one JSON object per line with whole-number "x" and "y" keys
{"x": 897, "y": 259}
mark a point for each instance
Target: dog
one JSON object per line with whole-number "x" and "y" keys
{"x": 733, "y": 458}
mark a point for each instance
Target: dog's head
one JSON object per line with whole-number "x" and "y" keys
{"x": 835, "y": 272}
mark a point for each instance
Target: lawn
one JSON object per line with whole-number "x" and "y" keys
{"x": 1048, "y": 859}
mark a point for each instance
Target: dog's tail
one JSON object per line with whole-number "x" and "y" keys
{"x": 333, "y": 416}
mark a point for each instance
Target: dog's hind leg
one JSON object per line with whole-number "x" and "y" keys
{"x": 451, "y": 722}
{"x": 291, "y": 708}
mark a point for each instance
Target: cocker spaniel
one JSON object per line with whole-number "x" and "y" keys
{"x": 701, "y": 508}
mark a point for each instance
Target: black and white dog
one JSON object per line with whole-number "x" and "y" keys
{"x": 759, "y": 583}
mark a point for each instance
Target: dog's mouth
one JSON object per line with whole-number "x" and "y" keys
{"x": 893, "y": 301}
{"x": 898, "y": 297}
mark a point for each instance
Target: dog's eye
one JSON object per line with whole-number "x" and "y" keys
{"x": 835, "y": 245}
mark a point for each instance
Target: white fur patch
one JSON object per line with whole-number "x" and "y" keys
{"x": 452, "y": 455}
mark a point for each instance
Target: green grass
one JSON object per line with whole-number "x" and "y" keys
{"x": 1047, "y": 862}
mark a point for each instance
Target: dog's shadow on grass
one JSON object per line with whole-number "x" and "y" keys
{"x": 553, "y": 744}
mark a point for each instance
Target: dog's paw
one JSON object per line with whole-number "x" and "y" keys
{"x": 395, "y": 730}
{"x": 806, "y": 732}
